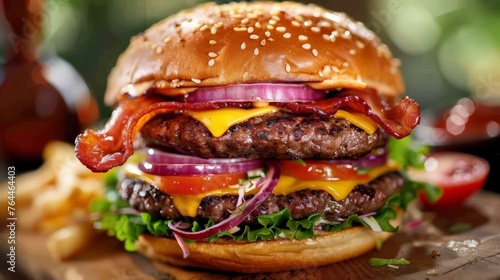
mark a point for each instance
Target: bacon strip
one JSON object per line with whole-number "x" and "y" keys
{"x": 398, "y": 121}
{"x": 113, "y": 145}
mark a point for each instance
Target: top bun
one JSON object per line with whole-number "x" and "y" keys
{"x": 216, "y": 45}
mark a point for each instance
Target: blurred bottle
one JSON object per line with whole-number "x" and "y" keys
{"x": 42, "y": 98}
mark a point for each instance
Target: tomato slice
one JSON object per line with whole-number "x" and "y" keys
{"x": 320, "y": 170}
{"x": 196, "y": 184}
{"x": 459, "y": 175}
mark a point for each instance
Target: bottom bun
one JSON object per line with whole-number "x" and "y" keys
{"x": 266, "y": 256}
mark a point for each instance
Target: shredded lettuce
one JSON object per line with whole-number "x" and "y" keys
{"x": 127, "y": 226}
{"x": 381, "y": 261}
{"x": 459, "y": 227}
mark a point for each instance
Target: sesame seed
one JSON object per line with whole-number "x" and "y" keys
{"x": 159, "y": 50}
{"x": 346, "y": 34}
{"x": 161, "y": 84}
{"x": 281, "y": 28}
{"x": 263, "y": 42}
{"x": 360, "y": 44}
{"x": 306, "y": 46}
{"x": 252, "y": 15}
{"x": 243, "y": 45}
{"x": 212, "y": 54}
{"x": 345, "y": 64}
{"x": 287, "y": 35}
{"x": 335, "y": 69}
{"x": 303, "y": 37}
{"x": 270, "y": 27}
{"x": 197, "y": 81}
{"x": 298, "y": 18}
{"x": 214, "y": 29}
{"x": 272, "y": 22}
{"x": 237, "y": 29}
{"x": 254, "y": 37}
{"x": 330, "y": 38}
{"x": 167, "y": 39}
{"x": 315, "y": 52}
{"x": 287, "y": 68}
{"x": 212, "y": 42}
{"x": 245, "y": 20}
{"x": 308, "y": 22}
{"x": 325, "y": 24}
{"x": 271, "y": 40}
{"x": 153, "y": 46}
{"x": 315, "y": 29}
{"x": 267, "y": 33}
{"x": 245, "y": 75}
{"x": 256, "y": 51}
{"x": 258, "y": 25}
{"x": 237, "y": 16}
{"x": 175, "y": 81}
{"x": 203, "y": 27}
{"x": 276, "y": 18}
{"x": 295, "y": 23}
{"x": 250, "y": 29}
{"x": 320, "y": 73}
{"x": 211, "y": 62}
{"x": 352, "y": 51}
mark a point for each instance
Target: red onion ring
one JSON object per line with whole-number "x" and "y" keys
{"x": 375, "y": 159}
{"x": 266, "y": 185}
{"x": 186, "y": 169}
{"x": 160, "y": 157}
{"x": 170, "y": 164}
{"x": 256, "y": 92}
{"x": 182, "y": 245}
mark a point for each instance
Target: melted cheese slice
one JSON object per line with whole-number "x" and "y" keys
{"x": 188, "y": 204}
{"x": 359, "y": 120}
{"x": 220, "y": 120}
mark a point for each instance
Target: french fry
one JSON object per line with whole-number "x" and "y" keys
{"x": 67, "y": 242}
{"x": 55, "y": 199}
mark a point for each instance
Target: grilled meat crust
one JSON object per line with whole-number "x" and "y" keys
{"x": 364, "y": 199}
{"x": 277, "y": 135}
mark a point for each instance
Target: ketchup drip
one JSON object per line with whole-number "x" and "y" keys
{"x": 113, "y": 145}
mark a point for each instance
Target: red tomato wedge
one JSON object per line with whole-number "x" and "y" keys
{"x": 196, "y": 184}
{"x": 320, "y": 170}
{"x": 459, "y": 175}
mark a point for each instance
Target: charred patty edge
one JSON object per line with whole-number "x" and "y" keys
{"x": 364, "y": 199}
{"x": 277, "y": 135}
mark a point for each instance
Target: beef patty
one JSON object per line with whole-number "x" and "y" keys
{"x": 277, "y": 135}
{"x": 363, "y": 199}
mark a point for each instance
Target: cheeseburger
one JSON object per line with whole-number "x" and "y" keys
{"x": 252, "y": 137}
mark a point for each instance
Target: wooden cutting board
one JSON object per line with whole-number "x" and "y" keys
{"x": 105, "y": 259}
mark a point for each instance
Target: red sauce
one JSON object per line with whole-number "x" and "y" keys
{"x": 467, "y": 121}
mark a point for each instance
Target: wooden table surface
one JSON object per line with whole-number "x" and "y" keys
{"x": 105, "y": 259}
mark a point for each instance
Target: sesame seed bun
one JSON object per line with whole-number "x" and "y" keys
{"x": 266, "y": 256}
{"x": 212, "y": 45}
